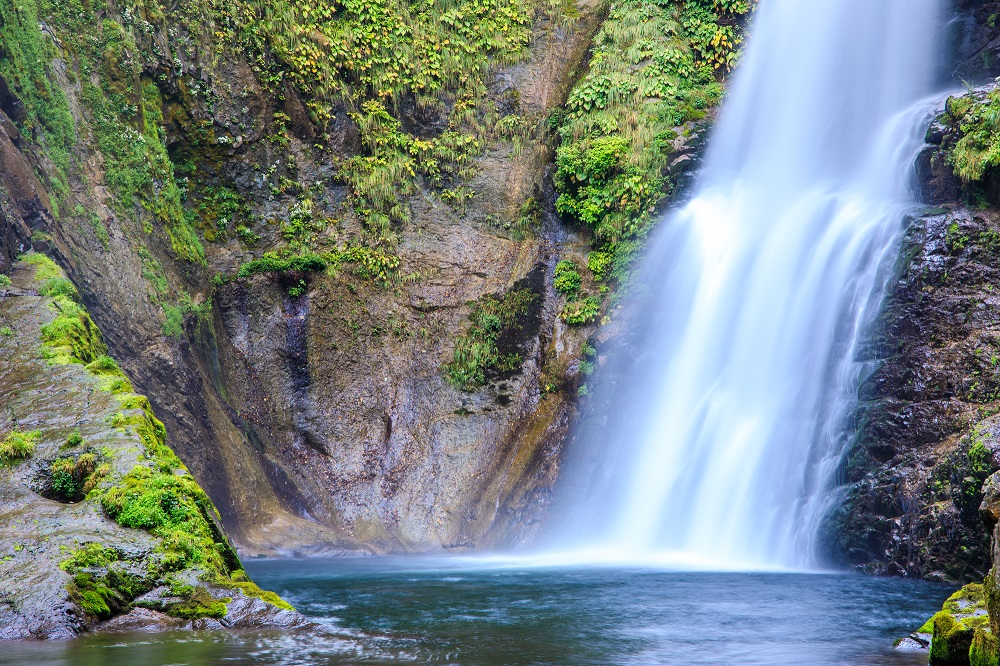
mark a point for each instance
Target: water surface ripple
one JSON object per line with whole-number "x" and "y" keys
{"x": 460, "y": 611}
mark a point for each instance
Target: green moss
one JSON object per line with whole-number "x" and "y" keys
{"x": 72, "y": 337}
{"x": 45, "y": 268}
{"x": 966, "y": 600}
{"x": 960, "y": 623}
{"x": 985, "y": 648}
{"x": 220, "y": 209}
{"x": 240, "y": 580}
{"x": 94, "y": 597}
{"x": 489, "y": 348}
{"x": 5, "y": 280}
{"x": 102, "y": 585}
{"x": 89, "y": 556}
{"x": 17, "y": 446}
{"x": 952, "y": 639}
{"x": 122, "y": 110}
{"x": 175, "y": 509}
{"x": 174, "y": 314}
{"x": 113, "y": 380}
{"x": 197, "y": 602}
{"x": 26, "y": 66}
{"x": 167, "y": 502}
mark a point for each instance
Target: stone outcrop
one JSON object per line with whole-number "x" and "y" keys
{"x": 91, "y": 498}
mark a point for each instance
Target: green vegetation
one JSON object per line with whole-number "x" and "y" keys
{"x": 240, "y": 581}
{"x": 100, "y": 597}
{"x": 580, "y": 312}
{"x": 220, "y": 209}
{"x": 978, "y": 124}
{"x": 17, "y": 446}
{"x": 122, "y": 109}
{"x": 72, "y": 478}
{"x": 579, "y": 309}
{"x": 370, "y": 263}
{"x": 378, "y": 59}
{"x": 72, "y": 337}
{"x": 959, "y": 477}
{"x": 962, "y": 617}
{"x": 59, "y": 286}
{"x": 386, "y": 49}
{"x": 196, "y": 602}
{"x": 161, "y": 497}
{"x": 174, "y": 314}
{"x": 5, "y": 280}
{"x": 490, "y": 348}
{"x": 567, "y": 279}
{"x": 26, "y": 67}
{"x": 655, "y": 68}
{"x": 45, "y": 268}
{"x": 273, "y": 264}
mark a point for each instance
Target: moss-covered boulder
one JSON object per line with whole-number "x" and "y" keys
{"x": 961, "y": 633}
{"x": 102, "y": 523}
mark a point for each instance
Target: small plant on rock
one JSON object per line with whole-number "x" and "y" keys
{"x": 581, "y": 312}
{"x": 567, "y": 279}
{"x": 17, "y": 446}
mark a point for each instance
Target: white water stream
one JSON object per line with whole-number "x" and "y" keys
{"x": 721, "y": 443}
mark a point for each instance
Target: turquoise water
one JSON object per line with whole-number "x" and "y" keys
{"x": 452, "y": 611}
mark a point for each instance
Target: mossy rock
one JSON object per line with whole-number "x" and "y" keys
{"x": 985, "y": 648}
{"x": 952, "y": 641}
{"x": 956, "y": 625}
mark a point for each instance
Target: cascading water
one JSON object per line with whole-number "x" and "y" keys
{"x": 720, "y": 440}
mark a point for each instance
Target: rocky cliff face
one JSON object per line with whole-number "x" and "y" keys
{"x": 311, "y": 405}
{"x": 323, "y": 238}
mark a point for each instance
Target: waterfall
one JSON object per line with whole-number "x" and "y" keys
{"x": 717, "y": 435}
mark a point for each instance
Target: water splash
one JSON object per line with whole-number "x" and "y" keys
{"x": 720, "y": 438}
